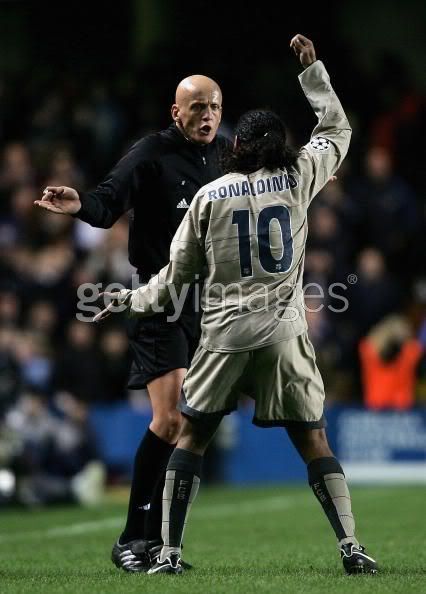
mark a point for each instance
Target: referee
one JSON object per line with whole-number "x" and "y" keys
{"x": 156, "y": 181}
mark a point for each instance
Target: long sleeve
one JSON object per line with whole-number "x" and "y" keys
{"x": 329, "y": 143}
{"x": 113, "y": 197}
{"x": 187, "y": 259}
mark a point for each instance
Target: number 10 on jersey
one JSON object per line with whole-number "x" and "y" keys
{"x": 269, "y": 263}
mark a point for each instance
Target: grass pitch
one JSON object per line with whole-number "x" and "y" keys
{"x": 273, "y": 539}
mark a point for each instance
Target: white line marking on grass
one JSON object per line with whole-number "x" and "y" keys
{"x": 207, "y": 512}
{"x": 70, "y": 530}
{"x": 268, "y": 504}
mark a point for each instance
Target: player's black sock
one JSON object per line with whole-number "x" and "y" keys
{"x": 150, "y": 462}
{"x": 180, "y": 490}
{"x": 328, "y": 483}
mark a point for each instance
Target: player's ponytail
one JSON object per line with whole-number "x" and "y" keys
{"x": 261, "y": 142}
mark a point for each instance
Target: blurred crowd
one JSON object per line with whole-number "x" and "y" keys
{"x": 367, "y": 234}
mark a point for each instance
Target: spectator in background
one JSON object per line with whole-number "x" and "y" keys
{"x": 115, "y": 364}
{"x": 99, "y": 123}
{"x": 401, "y": 117}
{"x": 388, "y": 211}
{"x": 32, "y": 353}
{"x": 319, "y": 267}
{"x": 336, "y": 197}
{"x": 54, "y": 459}
{"x": 48, "y": 122}
{"x": 64, "y": 168}
{"x": 374, "y": 295}
{"x": 389, "y": 357}
{"x": 10, "y": 306}
{"x": 78, "y": 368}
{"x": 21, "y": 224}
{"x": 42, "y": 318}
{"x": 16, "y": 168}
{"x": 10, "y": 378}
{"x": 109, "y": 261}
{"x": 326, "y": 235}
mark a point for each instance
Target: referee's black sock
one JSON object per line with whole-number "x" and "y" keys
{"x": 154, "y": 518}
{"x": 328, "y": 483}
{"x": 149, "y": 465}
{"x": 180, "y": 490}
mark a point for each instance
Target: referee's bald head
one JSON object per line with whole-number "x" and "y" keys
{"x": 197, "y": 110}
{"x": 194, "y": 85}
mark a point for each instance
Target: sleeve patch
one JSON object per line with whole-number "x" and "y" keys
{"x": 320, "y": 144}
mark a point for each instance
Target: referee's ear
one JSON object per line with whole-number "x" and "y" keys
{"x": 175, "y": 113}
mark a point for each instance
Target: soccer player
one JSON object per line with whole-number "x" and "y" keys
{"x": 156, "y": 180}
{"x": 249, "y": 227}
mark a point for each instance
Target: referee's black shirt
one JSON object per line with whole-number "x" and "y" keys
{"x": 155, "y": 180}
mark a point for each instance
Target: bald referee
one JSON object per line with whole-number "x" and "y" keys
{"x": 156, "y": 181}
{"x": 249, "y": 228}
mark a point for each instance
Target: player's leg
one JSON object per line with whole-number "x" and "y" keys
{"x": 189, "y": 334}
{"x": 181, "y": 487}
{"x": 328, "y": 482}
{"x": 292, "y": 395}
{"x": 209, "y": 392}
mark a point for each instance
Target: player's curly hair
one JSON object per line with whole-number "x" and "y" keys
{"x": 261, "y": 142}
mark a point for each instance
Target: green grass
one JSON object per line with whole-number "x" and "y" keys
{"x": 240, "y": 540}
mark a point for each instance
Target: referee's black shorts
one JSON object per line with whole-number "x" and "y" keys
{"x": 159, "y": 346}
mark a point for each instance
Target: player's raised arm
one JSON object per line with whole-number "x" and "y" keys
{"x": 329, "y": 143}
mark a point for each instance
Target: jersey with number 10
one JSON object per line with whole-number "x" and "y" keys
{"x": 250, "y": 231}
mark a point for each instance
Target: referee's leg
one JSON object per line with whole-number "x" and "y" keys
{"x": 144, "y": 511}
{"x": 164, "y": 393}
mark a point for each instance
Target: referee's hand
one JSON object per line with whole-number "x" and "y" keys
{"x": 60, "y": 199}
{"x": 304, "y": 48}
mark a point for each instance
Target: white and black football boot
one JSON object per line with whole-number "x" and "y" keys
{"x": 171, "y": 565}
{"x": 356, "y": 561}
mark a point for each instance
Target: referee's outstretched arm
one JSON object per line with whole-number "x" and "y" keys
{"x": 103, "y": 206}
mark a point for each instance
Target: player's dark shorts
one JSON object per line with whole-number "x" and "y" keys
{"x": 159, "y": 346}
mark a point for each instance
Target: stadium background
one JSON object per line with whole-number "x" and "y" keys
{"x": 79, "y": 82}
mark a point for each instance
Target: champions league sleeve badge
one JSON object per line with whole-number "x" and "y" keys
{"x": 320, "y": 144}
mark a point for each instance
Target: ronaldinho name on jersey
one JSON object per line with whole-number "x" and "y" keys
{"x": 273, "y": 183}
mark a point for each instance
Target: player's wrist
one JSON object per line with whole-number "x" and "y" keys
{"x": 305, "y": 66}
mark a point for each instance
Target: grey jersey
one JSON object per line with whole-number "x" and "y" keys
{"x": 250, "y": 232}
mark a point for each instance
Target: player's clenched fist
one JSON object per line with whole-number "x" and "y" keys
{"x": 304, "y": 48}
{"x": 60, "y": 199}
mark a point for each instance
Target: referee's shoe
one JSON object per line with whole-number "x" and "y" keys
{"x": 132, "y": 556}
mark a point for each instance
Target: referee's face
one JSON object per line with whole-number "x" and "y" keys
{"x": 198, "y": 108}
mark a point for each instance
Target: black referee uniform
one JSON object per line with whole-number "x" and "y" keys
{"x": 156, "y": 180}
